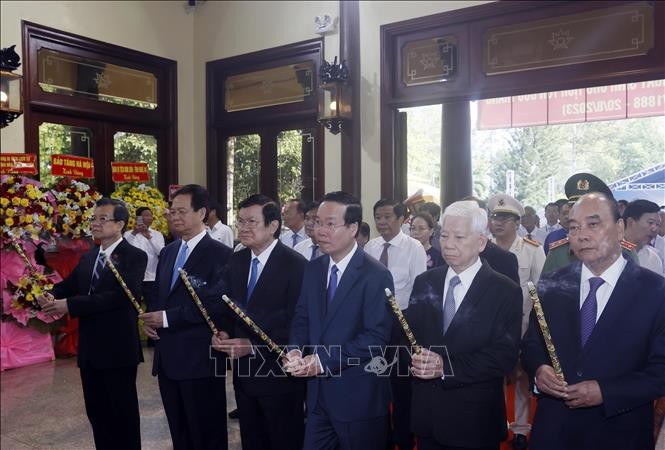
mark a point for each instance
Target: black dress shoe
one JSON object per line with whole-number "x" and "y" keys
{"x": 234, "y": 415}
{"x": 519, "y": 442}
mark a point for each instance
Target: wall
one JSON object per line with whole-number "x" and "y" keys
{"x": 144, "y": 26}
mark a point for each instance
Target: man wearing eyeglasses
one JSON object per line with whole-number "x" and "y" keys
{"x": 264, "y": 279}
{"x": 342, "y": 322}
{"x": 191, "y": 378}
{"x": 505, "y": 216}
{"x": 309, "y": 248}
{"x": 109, "y": 348}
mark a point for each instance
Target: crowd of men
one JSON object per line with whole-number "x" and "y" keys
{"x": 344, "y": 373}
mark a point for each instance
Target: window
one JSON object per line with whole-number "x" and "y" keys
{"x": 109, "y": 103}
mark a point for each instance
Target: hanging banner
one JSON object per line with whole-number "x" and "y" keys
{"x": 173, "y": 188}
{"x": 72, "y": 166}
{"x": 124, "y": 172}
{"x": 646, "y": 98}
{"x": 15, "y": 163}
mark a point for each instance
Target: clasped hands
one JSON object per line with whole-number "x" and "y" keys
{"x": 298, "y": 366}
{"x": 51, "y": 306}
{"x": 580, "y": 395}
{"x": 235, "y": 348}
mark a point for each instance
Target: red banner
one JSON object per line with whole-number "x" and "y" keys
{"x": 173, "y": 188}
{"x": 72, "y": 166}
{"x": 25, "y": 163}
{"x": 123, "y": 172}
{"x": 620, "y": 101}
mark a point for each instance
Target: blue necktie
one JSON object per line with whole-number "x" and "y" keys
{"x": 295, "y": 240}
{"x": 97, "y": 271}
{"x": 179, "y": 263}
{"x": 314, "y": 249}
{"x": 589, "y": 310}
{"x": 449, "y": 303}
{"x": 332, "y": 284}
{"x": 253, "y": 276}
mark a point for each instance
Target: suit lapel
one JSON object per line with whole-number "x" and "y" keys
{"x": 473, "y": 295}
{"x": 241, "y": 275}
{"x": 169, "y": 262}
{"x": 192, "y": 260}
{"x": 268, "y": 273}
{"x": 346, "y": 283}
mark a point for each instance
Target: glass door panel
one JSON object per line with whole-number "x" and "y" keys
{"x": 243, "y": 171}
{"x": 295, "y": 164}
{"x": 56, "y": 138}
{"x": 136, "y": 147}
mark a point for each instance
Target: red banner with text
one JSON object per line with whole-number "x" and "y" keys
{"x": 72, "y": 166}
{"x": 18, "y": 163}
{"x": 124, "y": 172}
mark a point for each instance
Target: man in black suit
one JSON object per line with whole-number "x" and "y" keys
{"x": 264, "y": 279}
{"x": 109, "y": 348}
{"x": 467, "y": 318}
{"x": 191, "y": 379}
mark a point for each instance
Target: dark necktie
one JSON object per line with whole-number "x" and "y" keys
{"x": 253, "y": 277}
{"x": 449, "y": 303}
{"x": 384, "y": 254}
{"x": 97, "y": 271}
{"x": 179, "y": 263}
{"x": 332, "y": 284}
{"x": 295, "y": 240}
{"x": 528, "y": 235}
{"x": 314, "y": 249}
{"x": 589, "y": 310}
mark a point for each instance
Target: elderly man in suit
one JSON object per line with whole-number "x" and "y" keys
{"x": 342, "y": 320}
{"x": 109, "y": 347}
{"x": 467, "y": 318}
{"x": 193, "y": 393}
{"x": 264, "y": 279}
{"x": 606, "y": 316}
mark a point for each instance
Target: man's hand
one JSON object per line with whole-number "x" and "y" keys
{"x": 45, "y": 299}
{"x": 55, "y": 307}
{"x": 150, "y": 332}
{"x": 304, "y": 367}
{"x": 548, "y": 383}
{"x": 153, "y": 319}
{"x": 292, "y": 359}
{"x": 217, "y": 340}
{"x": 235, "y": 348}
{"x": 427, "y": 365}
{"x": 584, "y": 394}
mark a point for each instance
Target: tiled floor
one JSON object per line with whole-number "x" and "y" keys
{"x": 42, "y": 408}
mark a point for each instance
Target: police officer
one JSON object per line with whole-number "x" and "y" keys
{"x": 505, "y": 214}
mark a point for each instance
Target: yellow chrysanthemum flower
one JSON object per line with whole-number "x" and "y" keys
{"x": 9, "y": 221}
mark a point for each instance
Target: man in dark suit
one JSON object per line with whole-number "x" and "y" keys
{"x": 109, "y": 348}
{"x": 606, "y": 316}
{"x": 191, "y": 378}
{"x": 342, "y": 321}
{"x": 264, "y": 279}
{"x": 467, "y": 318}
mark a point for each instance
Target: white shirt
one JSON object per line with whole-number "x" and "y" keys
{"x": 151, "y": 247}
{"x": 541, "y": 233}
{"x": 107, "y": 254}
{"x": 287, "y": 237}
{"x": 406, "y": 260}
{"x": 649, "y": 259}
{"x": 341, "y": 265}
{"x": 466, "y": 278}
{"x": 222, "y": 233}
{"x": 305, "y": 248}
{"x": 610, "y": 276}
{"x": 659, "y": 246}
{"x": 191, "y": 245}
{"x": 263, "y": 259}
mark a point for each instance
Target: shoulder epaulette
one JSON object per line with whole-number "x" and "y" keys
{"x": 531, "y": 241}
{"x": 628, "y": 245}
{"x": 558, "y": 243}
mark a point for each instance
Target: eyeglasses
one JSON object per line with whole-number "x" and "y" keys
{"x": 330, "y": 226}
{"x": 249, "y": 223}
{"x": 179, "y": 211}
{"x": 102, "y": 219}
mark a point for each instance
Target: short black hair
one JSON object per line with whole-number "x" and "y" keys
{"x": 426, "y": 217}
{"x": 623, "y": 202}
{"x": 140, "y": 210}
{"x": 200, "y": 197}
{"x": 433, "y": 209}
{"x": 310, "y": 206}
{"x": 120, "y": 211}
{"x": 637, "y": 208}
{"x": 271, "y": 210}
{"x": 552, "y": 204}
{"x": 399, "y": 208}
{"x": 300, "y": 205}
{"x": 560, "y": 202}
{"x": 214, "y": 205}
{"x": 354, "y": 210}
{"x": 364, "y": 229}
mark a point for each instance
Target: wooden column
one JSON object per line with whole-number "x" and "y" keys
{"x": 349, "y": 41}
{"x": 456, "y": 175}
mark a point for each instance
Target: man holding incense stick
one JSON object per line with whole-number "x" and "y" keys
{"x": 193, "y": 393}
{"x": 264, "y": 280}
{"x": 109, "y": 349}
{"x": 606, "y": 316}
